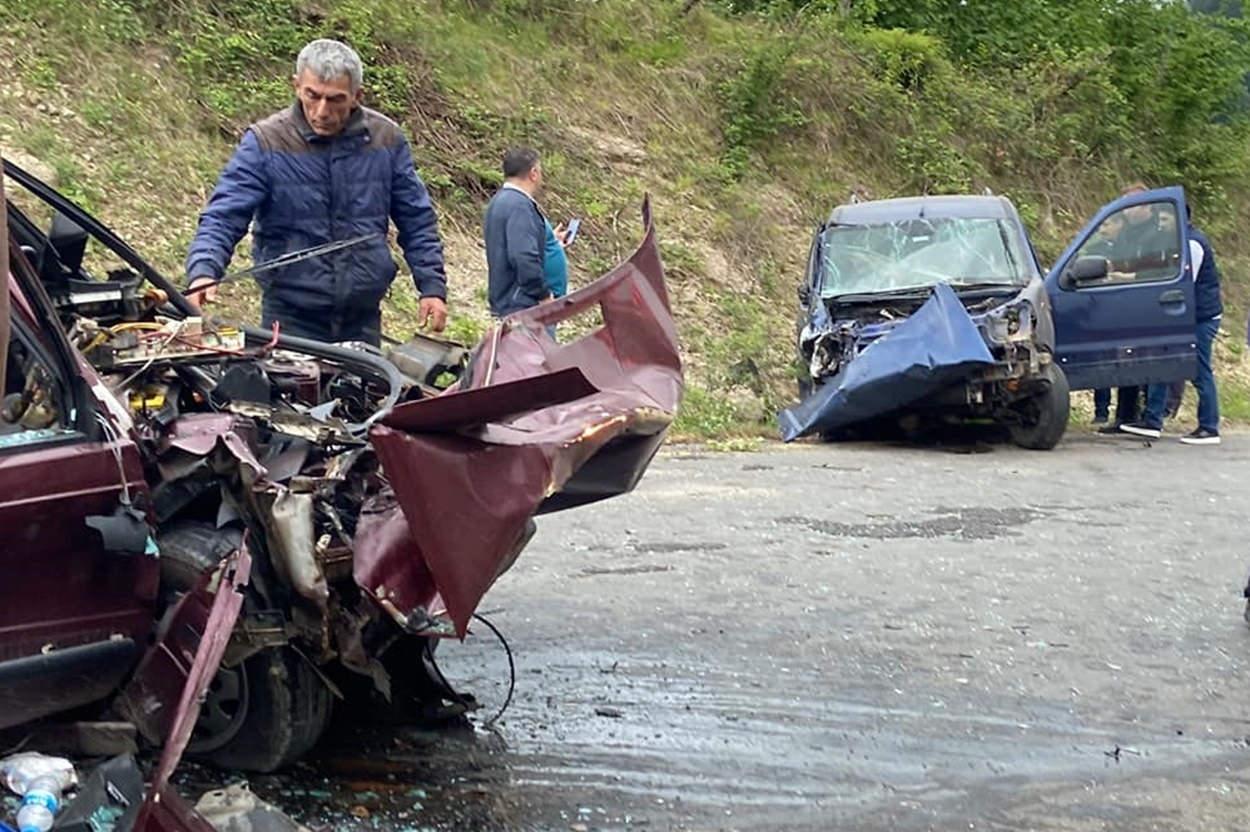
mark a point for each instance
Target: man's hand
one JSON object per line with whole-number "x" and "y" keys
{"x": 562, "y": 234}
{"x": 433, "y": 313}
{"x": 202, "y": 291}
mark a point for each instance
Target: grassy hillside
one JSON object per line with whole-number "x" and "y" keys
{"x": 744, "y": 128}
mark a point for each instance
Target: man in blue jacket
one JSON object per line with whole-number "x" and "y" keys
{"x": 1208, "y": 310}
{"x": 515, "y": 231}
{"x": 323, "y": 170}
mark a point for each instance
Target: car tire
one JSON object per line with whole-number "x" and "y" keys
{"x": 270, "y": 709}
{"x": 1043, "y": 418}
{"x": 190, "y": 549}
{"x": 287, "y": 709}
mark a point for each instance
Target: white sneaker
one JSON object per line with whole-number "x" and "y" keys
{"x": 1141, "y": 429}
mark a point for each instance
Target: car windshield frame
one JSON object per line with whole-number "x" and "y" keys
{"x": 918, "y": 253}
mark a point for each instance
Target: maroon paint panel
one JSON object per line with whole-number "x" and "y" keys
{"x": 465, "y": 503}
{"x": 199, "y": 433}
{"x": 395, "y": 569}
{"x": 479, "y": 405}
{"x": 167, "y": 811}
{"x": 47, "y": 492}
{"x": 4, "y": 284}
{"x": 165, "y": 696}
{"x": 549, "y": 409}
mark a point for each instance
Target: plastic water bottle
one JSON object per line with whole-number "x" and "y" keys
{"x": 39, "y": 779}
{"x": 39, "y": 804}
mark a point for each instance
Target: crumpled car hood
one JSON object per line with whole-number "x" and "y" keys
{"x": 935, "y": 346}
{"x": 534, "y": 425}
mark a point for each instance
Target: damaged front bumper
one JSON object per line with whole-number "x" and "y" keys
{"x": 532, "y": 426}
{"x": 929, "y": 351}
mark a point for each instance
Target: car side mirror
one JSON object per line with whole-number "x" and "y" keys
{"x": 1084, "y": 271}
{"x": 63, "y": 253}
{"x": 805, "y": 294}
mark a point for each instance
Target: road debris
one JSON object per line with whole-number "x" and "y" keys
{"x": 236, "y": 809}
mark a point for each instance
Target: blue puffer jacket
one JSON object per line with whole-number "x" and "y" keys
{"x": 299, "y": 189}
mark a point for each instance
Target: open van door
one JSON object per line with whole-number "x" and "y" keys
{"x": 1122, "y": 295}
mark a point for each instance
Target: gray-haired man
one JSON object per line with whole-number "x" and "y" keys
{"x": 323, "y": 170}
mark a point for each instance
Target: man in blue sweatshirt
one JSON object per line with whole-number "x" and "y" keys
{"x": 1208, "y": 311}
{"x": 515, "y": 231}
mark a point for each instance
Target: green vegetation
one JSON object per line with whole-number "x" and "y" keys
{"x": 746, "y": 120}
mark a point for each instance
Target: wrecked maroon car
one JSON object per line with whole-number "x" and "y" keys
{"x": 310, "y": 519}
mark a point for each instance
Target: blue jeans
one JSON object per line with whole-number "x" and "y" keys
{"x": 1204, "y": 383}
{"x": 1102, "y": 402}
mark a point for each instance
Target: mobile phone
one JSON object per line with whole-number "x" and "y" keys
{"x": 571, "y": 234}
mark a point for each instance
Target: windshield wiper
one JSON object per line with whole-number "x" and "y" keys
{"x": 867, "y": 297}
{"x": 983, "y": 284}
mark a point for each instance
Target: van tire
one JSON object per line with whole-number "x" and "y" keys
{"x": 1043, "y": 418}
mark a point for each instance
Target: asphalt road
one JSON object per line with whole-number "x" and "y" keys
{"x": 873, "y": 637}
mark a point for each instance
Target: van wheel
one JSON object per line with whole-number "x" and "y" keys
{"x": 1043, "y": 418}
{"x": 263, "y": 713}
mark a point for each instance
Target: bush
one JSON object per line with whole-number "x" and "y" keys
{"x": 904, "y": 59}
{"x": 754, "y": 104}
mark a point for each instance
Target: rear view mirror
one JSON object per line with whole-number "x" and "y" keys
{"x": 805, "y": 294}
{"x": 1084, "y": 271}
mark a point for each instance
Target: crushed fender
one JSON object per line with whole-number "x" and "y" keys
{"x": 533, "y": 426}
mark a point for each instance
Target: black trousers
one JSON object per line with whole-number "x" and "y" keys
{"x": 1127, "y": 405}
{"x": 330, "y": 326}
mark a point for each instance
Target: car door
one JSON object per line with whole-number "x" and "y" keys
{"x": 1131, "y": 322}
{"x": 77, "y": 600}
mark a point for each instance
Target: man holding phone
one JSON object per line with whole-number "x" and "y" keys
{"x": 555, "y": 263}
{"x": 524, "y": 254}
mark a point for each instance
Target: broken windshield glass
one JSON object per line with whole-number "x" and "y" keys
{"x": 918, "y": 253}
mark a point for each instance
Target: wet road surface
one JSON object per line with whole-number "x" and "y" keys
{"x": 853, "y": 637}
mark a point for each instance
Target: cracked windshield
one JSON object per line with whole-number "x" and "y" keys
{"x": 916, "y": 253}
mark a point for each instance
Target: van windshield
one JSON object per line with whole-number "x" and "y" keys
{"x": 916, "y": 253}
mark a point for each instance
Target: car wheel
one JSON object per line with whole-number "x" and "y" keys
{"x": 1043, "y": 418}
{"x": 286, "y": 709}
{"x": 189, "y": 549}
{"x": 263, "y": 713}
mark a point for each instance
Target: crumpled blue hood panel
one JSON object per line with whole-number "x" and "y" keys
{"x": 933, "y": 348}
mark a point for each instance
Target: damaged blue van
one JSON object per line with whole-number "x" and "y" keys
{"x": 937, "y": 308}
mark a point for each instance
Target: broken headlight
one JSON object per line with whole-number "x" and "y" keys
{"x": 1010, "y": 322}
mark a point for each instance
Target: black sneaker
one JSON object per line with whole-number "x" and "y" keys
{"x": 1112, "y": 429}
{"x": 1141, "y": 429}
{"x": 1202, "y": 436}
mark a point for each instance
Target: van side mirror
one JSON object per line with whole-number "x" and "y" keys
{"x": 805, "y": 294}
{"x": 1084, "y": 271}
